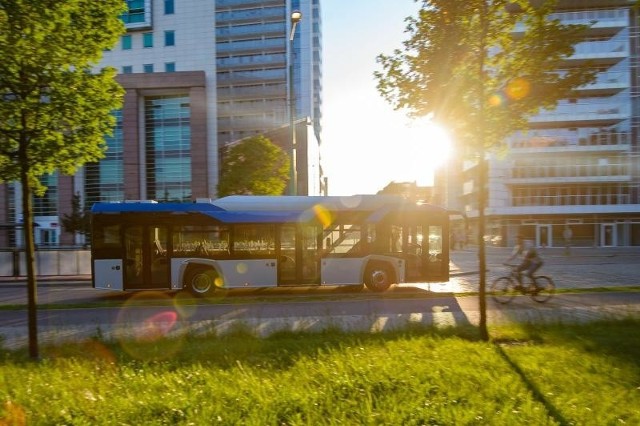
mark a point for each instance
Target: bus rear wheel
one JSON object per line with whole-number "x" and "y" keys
{"x": 201, "y": 281}
{"x": 378, "y": 277}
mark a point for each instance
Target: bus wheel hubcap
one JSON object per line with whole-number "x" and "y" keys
{"x": 379, "y": 277}
{"x": 201, "y": 283}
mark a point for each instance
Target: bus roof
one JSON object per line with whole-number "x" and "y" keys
{"x": 301, "y": 203}
{"x": 278, "y": 209}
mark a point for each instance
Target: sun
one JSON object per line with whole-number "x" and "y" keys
{"x": 389, "y": 148}
{"x": 425, "y": 148}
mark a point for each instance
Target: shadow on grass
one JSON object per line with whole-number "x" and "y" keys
{"x": 531, "y": 386}
{"x": 615, "y": 338}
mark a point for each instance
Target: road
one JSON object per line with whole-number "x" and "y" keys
{"x": 176, "y": 314}
{"x": 263, "y": 312}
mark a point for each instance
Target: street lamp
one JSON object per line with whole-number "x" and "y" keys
{"x": 296, "y": 16}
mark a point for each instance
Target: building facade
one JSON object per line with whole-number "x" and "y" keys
{"x": 574, "y": 176}
{"x": 198, "y": 74}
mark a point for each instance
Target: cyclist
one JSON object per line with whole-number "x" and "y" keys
{"x": 530, "y": 260}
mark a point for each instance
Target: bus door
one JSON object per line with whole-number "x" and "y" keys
{"x": 146, "y": 264}
{"x": 436, "y": 253}
{"x": 299, "y": 256}
{"x": 425, "y": 253}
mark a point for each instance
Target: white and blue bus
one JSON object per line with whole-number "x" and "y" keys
{"x": 268, "y": 241}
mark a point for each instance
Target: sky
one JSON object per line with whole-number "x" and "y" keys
{"x": 365, "y": 143}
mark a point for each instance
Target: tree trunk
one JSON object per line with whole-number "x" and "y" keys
{"x": 29, "y": 249}
{"x": 482, "y": 258}
{"x": 482, "y": 175}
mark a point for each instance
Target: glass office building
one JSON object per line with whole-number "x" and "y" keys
{"x": 577, "y": 167}
{"x": 198, "y": 74}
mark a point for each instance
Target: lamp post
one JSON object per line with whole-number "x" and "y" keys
{"x": 296, "y": 16}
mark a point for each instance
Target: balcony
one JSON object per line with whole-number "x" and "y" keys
{"x": 600, "y": 22}
{"x": 599, "y": 52}
{"x": 574, "y": 174}
{"x": 222, "y": 4}
{"x": 267, "y": 14}
{"x": 251, "y": 76}
{"x": 596, "y": 142}
{"x": 250, "y": 46}
{"x": 596, "y": 113}
{"x": 269, "y": 91}
{"x": 252, "y": 61}
{"x": 225, "y": 33}
{"x": 606, "y": 84}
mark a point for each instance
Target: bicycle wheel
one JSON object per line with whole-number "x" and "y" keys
{"x": 503, "y": 289}
{"x": 543, "y": 290}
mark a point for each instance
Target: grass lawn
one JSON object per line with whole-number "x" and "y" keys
{"x": 529, "y": 374}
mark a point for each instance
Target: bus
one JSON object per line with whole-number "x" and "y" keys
{"x": 206, "y": 246}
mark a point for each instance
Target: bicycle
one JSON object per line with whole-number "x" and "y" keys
{"x": 504, "y": 289}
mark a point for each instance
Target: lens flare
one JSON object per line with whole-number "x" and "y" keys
{"x": 147, "y": 326}
{"x": 241, "y": 268}
{"x": 495, "y": 100}
{"x": 518, "y": 88}
{"x": 157, "y": 326}
{"x": 14, "y": 414}
{"x": 182, "y": 304}
{"x": 323, "y": 215}
{"x": 92, "y": 349}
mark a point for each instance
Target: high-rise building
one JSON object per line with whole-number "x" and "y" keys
{"x": 198, "y": 75}
{"x": 576, "y": 171}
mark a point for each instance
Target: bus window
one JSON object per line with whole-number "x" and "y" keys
{"x": 310, "y": 260}
{"x": 254, "y": 240}
{"x": 435, "y": 250}
{"x": 134, "y": 261}
{"x": 201, "y": 241}
{"x": 396, "y": 239}
{"x": 106, "y": 242}
{"x": 343, "y": 239}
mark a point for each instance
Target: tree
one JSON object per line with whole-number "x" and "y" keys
{"x": 54, "y": 108}
{"x": 78, "y": 222}
{"x": 463, "y": 67}
{"x": 254, "y": 166}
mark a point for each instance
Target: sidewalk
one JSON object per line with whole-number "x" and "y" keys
{"x": 582, "y": 268}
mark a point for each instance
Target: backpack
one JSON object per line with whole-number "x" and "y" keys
{"x": 531, "y": 253}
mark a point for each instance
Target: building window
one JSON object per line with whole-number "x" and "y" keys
{"x": 126, "y": 42}
{"x": 46, "y": 205}
{"x": 127, "y": 69}
{"x": 169, "y": 38}
{"x": 147, "y": 40}
{"x": 169, "y": 7}
{"x": 138, "y": 14}
{"x": 135, "y": 12}
{"x": 147, "y": 68}
{"x": 104, "y": 180}
{"x": 168, "y": 147}
{"x": 169, "y": 67}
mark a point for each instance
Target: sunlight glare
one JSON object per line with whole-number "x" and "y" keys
{"x": 427, "y": 147}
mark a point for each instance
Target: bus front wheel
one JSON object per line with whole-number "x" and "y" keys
{"x": 378, "y": 277}
{"x": 201, "y": 281}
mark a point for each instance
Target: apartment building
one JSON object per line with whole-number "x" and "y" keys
{"x": 198, "y": 75}
{"x": 576, "y": 171}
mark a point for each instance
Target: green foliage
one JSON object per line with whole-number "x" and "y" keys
{"x": 255, "y": 166}
{"x": 535, "y": 374}
{"x": 462, "y": 65}
{"x": 79, "y": 221}
{"x": 54, "y": 107}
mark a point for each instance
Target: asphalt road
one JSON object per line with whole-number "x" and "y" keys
{"x": 263, "y": 313}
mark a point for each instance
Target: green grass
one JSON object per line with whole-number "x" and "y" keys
{"x": 529, "y": 374}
